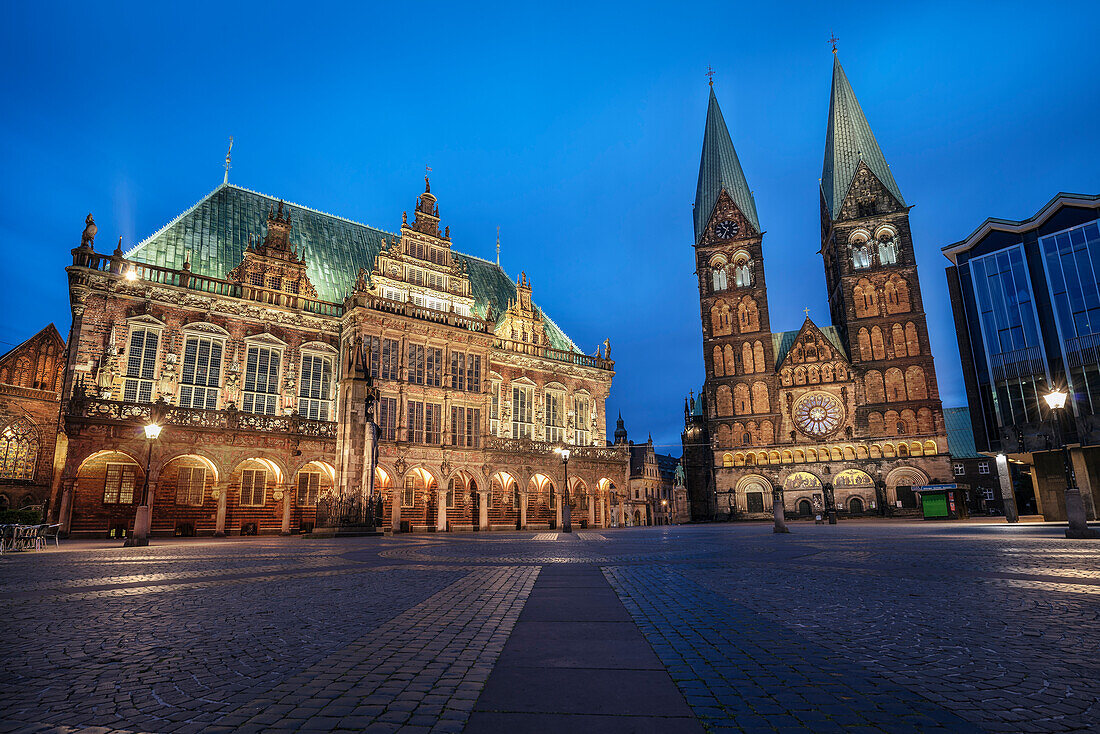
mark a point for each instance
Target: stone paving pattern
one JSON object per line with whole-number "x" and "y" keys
{"x": 891, "y": 627}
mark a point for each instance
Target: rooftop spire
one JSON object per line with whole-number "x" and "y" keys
{"x": 227, "y": 159}
{"x": 848, "y": 141}
{"x": 498, "y": 245}
{"x": 720, "y": 169}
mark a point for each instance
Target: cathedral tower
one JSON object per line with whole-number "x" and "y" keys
{"x": 740, "y": 387}
{"x": 871, "y": 274}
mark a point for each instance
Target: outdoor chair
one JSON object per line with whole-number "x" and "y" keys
{"x": 53, "y": 532}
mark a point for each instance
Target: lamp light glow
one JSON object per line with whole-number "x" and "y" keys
{"x": 131, "y": 274}
{"x": 152, "y": 431}
{"x": 1056, "y": 399}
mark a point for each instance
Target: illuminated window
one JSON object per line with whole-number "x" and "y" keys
{"x": 522, "y": 422}
{"x": 141, "y": 360}
{"x": 118, "y": 487}
{"x": 261, "y": 380}
{"x": 309, "y": 487}
{"x": 18, "y": 450}
{"x": 202, "y": 370}
{"x": 582, "y": 409}
{"x": 189, "y": 485}
{"x": 555, "y": 416}
{"x": 253, "y": 483}
{"x": 315, "y": 387}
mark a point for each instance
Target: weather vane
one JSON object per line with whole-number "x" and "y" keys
{"x": 710, "y": 75}
{"x": 833, "y": 39}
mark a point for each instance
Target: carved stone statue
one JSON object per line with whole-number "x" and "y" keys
{"x": 607, "y": 348}
{"x": 88, "y": 238}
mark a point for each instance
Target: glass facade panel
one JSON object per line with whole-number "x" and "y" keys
{"x": 1072, "y": 262}
{"x": 1009, "y": 328}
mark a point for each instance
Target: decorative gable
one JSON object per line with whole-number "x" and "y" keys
{"x": 272, "y": 271}
{"x": 725, "y": 210}
{"x": 37, "y": 363}
{"x": 867, "y": 197}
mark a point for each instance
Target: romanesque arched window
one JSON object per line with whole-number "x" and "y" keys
{"x": 746, "y": 358}
{"x": 717, "y": 362}
{"x": 724, "y": 399}
{"x": 895, "y": 385}
{"x": 758, "y": 356}
{"x": 741, "y": 402}
{"x": 887, "y": 246}
{"x": 18, "y": 450}
{"x": 760, "y": 402}
{"x": 876, "y": 391}
{"x": 864, "y": 339}
{"x": 897, "y": 336}
{"x": 767, "y": 433}
{"x": 874, "y": 424}
{"x": 865, "y": 298}
{"x": 878, "y": 345}
{"x": 896, "y": 291}
{"x": 861, "y": 251}
{"x": 915, "y": 384}
{"x": 742, "y": 270}
{"x": 748, "y": 315}
{"x": 731, "y": 364}
{"x": 719, "y": 279}
{"x": 912, "y": 341}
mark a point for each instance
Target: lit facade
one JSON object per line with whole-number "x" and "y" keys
{"x": 239, "y": 325}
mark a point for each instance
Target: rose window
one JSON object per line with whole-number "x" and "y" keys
{"x": 818, "y": 414}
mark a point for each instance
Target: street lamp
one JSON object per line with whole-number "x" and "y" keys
{"x": 664, "y": 510}
{"x": 142, "y": 519}
{"x": 1075, "y": 506}
{"x": 566, "y": 512}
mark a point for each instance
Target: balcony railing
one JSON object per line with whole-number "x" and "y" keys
{"x": 529, "y": 446}
{"x": 136, "y": 271}
{"x": 1018, "y": 363}
{"x": 1083, "y": 351}
{"x": 114, "y": 411}
{"x": 558, "y": 355}
{"x": 408, "y": 308}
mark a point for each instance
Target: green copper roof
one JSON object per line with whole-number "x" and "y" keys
{"x": 960, "y": 433}
{"x": 720, "y": 169}
{"x": 214, "y": 233}
{"x": 848, "y": 141}
{"x": 782, "y": 341}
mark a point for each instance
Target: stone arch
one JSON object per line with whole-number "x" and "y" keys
{"x": 758, "y": 356}
{"x": 720, "y": 318}
{"x": 896, "y": 291}
{"x": 800, "y": 375}
{"x": 855, "y": 505}
{"x": 875, "y": 387}
{"x": 875, "y": 451}
{"x": 930, "y": 448}
{"x": 724, "y": 436}
{"x": 741, "y": 403}
{"x": 813, "y": 374}
{"x": 878, "y": 344}
{"x": 717, "y": 363}
{"x": 875, "y": 424}
{"x": 730, "y": 362}
{"x": 541, "y": 486}
{"x": 747, "y": 361}
{"x": 273, "y": 461}
{"x": 748, "y": 315}
{"x": 912, "y": 341}
{"x": 767, "y": 433}
{"x": 865, "y": 299}
{"x": 724, "y": 400}
{"x": 760, "y": 401}
{"x": 897, "y": 337}
{"x": 916, "y": 385}
{"x": 308, "y": 490}
{"x": 865, "y": 343}
{"x": 895, "y": 385}
{"x": 117, "y": 455}
{"x": 904, "y": 476}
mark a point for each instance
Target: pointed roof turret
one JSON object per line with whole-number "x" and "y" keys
{"x": 720, "y": 169}
{"x": 848, "y": 141}
{"x": 620, "y": 430}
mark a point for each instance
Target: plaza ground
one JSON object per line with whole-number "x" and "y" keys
{"x": 870, "y": 626}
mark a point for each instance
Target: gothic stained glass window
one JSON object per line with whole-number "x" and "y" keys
{"x": 818, "y": 414}
{"x": 202, "y": 368}
{"x": 18, "y": 450}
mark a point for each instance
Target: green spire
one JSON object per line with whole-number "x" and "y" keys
{"x": 848, "y": 141}
{"x": 719, "y": 169}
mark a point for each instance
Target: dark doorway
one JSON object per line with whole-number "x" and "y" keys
{"x": 805, "y": 509}
{"x": 755, "y": 501}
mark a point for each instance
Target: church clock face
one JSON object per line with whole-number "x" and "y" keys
{"x": 726, "y": 229}
{"x": 818, "y": 414}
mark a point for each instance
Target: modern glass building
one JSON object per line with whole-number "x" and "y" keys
{"x": 1026, "y": 301}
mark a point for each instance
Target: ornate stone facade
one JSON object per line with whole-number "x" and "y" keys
{"x": 847, "y": 413}
{"x": 248, "y": 356}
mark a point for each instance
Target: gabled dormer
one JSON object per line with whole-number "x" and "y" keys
{"x": 522, "y": 322}
{"x": 271, "y": 270}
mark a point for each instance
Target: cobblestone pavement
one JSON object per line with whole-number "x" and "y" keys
{"x": 894, "y": 627}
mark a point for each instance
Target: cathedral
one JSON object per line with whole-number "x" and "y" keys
{"x": 846, "y": 415}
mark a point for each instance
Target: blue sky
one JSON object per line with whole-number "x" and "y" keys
{"x": 576, "y": 128}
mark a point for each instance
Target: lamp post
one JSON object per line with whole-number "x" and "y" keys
{"x": 778, "y": 508}
{"x": 1075, "y": 506}
{"x": 830, "y": 502}
{"x": 566, "y": 512}
{"x": 664, "y": 510}
{"x": 143, "y": 517}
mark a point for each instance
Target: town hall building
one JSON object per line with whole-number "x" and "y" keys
{"x": 850, "y": 410}
{"x": 242, "y": 328}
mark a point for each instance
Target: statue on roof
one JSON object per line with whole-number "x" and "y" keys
{"x": 88, "y": 238}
